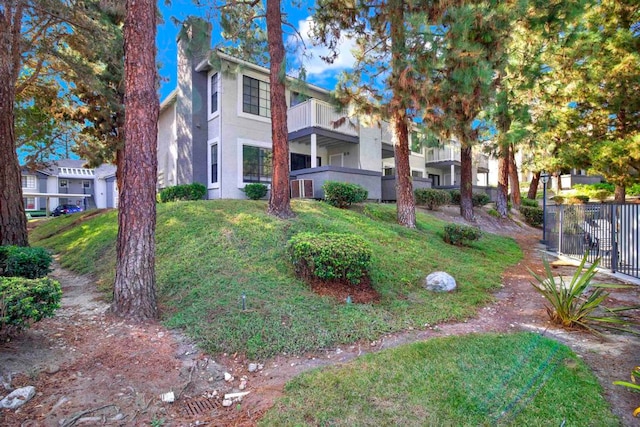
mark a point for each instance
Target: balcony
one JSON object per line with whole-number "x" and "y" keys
{"x": 448, "y": 153}
{"x": 314, "y": 113}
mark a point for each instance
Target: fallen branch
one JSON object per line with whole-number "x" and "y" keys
{"x": 79, "y": 415}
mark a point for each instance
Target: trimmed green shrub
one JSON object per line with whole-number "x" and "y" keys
{"x": 558, "y": 199}
{"x": 601, "y": 195}
{"x": 343, "y": 194}
{"x": 461, "y": 235}
{"x": 255, "y": 191}
{"x": 532, "y": 215}
{"x": 195, "y": 191}
{"x": 480, "y": 199}
{"x": 634, "y": 190}
{"x": 330, "y": 256}
{"x": 23, "y": 301}
{"x": 528, "y": 202}
{"x": 455, "y": 197}
{"x": 27, "y": 262}
{"x": 578, "y": 199}
{"x": 432, "y": 198}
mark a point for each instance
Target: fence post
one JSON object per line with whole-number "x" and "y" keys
{"x": 614, "y": 242}
{"x": 560, "y": 227}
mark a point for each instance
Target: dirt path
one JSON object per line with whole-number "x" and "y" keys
{"x": 90, "y": 368}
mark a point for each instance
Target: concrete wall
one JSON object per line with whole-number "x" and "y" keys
{"x": 167, "y": 147}
{"x": 368, "y": 179}
{"x": 191, "y": 105}
{"x": 389, "y": 187}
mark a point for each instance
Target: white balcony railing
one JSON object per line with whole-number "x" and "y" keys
{"x": 448, "y": 153}
{"x": 316, "y": 113}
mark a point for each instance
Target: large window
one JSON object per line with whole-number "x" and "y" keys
{"x": 213, "y": 164}
{"x": 214, "y": 83}
{"x": 256, "y": 97}
{"x": 29, "y": 181}
{"x": 256, "y": 164}
{"x": 302, "y": 161}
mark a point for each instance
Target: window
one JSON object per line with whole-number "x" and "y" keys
{"x": 416, "y": 174}
{"x": 213, "y": 163}
{"x": 256, "y": 164}
{"x": 298, "y": 98}
{"x": 63, "y": 183}
{"x": 435, "y": 180}
{"x": 29, "y": 181}
{"x": 29, "y": 203}
{"x": 214, "y": 83}
{"x": 256, "y": 97}
{"x": 388, "y": 171}
{"x": 86, "y": 184}
{"x": 302, "y": 161}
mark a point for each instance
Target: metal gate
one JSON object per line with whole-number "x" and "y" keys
{"x": 610, "y": 232}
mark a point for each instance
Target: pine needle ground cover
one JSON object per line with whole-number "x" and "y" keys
{"x": 211, "y": 253}
{"x": 519, "y": 379}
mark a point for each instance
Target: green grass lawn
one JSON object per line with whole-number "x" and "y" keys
{"x": 519, "y": 379}
{"x": 210, "y": 253}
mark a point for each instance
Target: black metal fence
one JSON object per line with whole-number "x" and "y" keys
{"x": 610, "y": 232}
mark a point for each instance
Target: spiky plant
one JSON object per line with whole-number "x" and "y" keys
{"x": 579, "y": 302}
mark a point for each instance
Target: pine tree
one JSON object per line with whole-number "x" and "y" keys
{"x": 384, "y": 81}
{"x": 466, "y": 50}
{"x": 134, "y": 293}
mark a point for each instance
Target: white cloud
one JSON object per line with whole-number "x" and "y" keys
{"x": 314, "y": 64}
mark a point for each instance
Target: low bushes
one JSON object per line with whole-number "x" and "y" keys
{"x": 455, "y": 197}
{"x": 534, "y": 216}
{"x": 27, "y": 262}
{"x": 480, "y": 199}
{"x": 431, "y": 198}
{"x": 255, "y": 191}
{"x": 195, "y": 191}
{"x": 529, "y": 203}
{"x": 343, "y": 194}
{"x": 23, "y": 301}
{"x": 330, "y": 256}
{"x": 601, "y": 195}
{"x": 461, "y": 235}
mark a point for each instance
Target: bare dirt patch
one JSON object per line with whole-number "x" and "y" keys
{"x": 90, "y": 368}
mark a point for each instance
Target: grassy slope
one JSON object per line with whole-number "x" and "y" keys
{"x": 519, "y": 379}
{"x": 211, "y": 252}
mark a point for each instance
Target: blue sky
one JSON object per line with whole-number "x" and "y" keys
{"x": 318, "y": 72}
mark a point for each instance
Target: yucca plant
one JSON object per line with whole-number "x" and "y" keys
{"x": 579, "y": 302}
{"x": 633, "y": 385}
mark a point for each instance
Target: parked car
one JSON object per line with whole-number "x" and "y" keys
{"x": 66, "y": 209}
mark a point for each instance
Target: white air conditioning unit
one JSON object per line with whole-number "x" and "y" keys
{"x": 302, "y": 189}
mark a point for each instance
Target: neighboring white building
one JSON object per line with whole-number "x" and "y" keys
{"x": 215, "y": 128}
{"x": 68, "y": 182}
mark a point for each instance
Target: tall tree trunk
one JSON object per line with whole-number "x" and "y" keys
{"x": 13, "y": 219}
{"x": 503, "y": 181}
{"x": 533, "y": 186}
{"x": 405, "y": 202}
{"x": 620, "y": 194}
{"x": 404, "y": 187}
{"x": 513, "y": 178}
{"x": 134, "y": 294}
{"x": 279, "y": 201}
{"x": 466, "y": 182}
